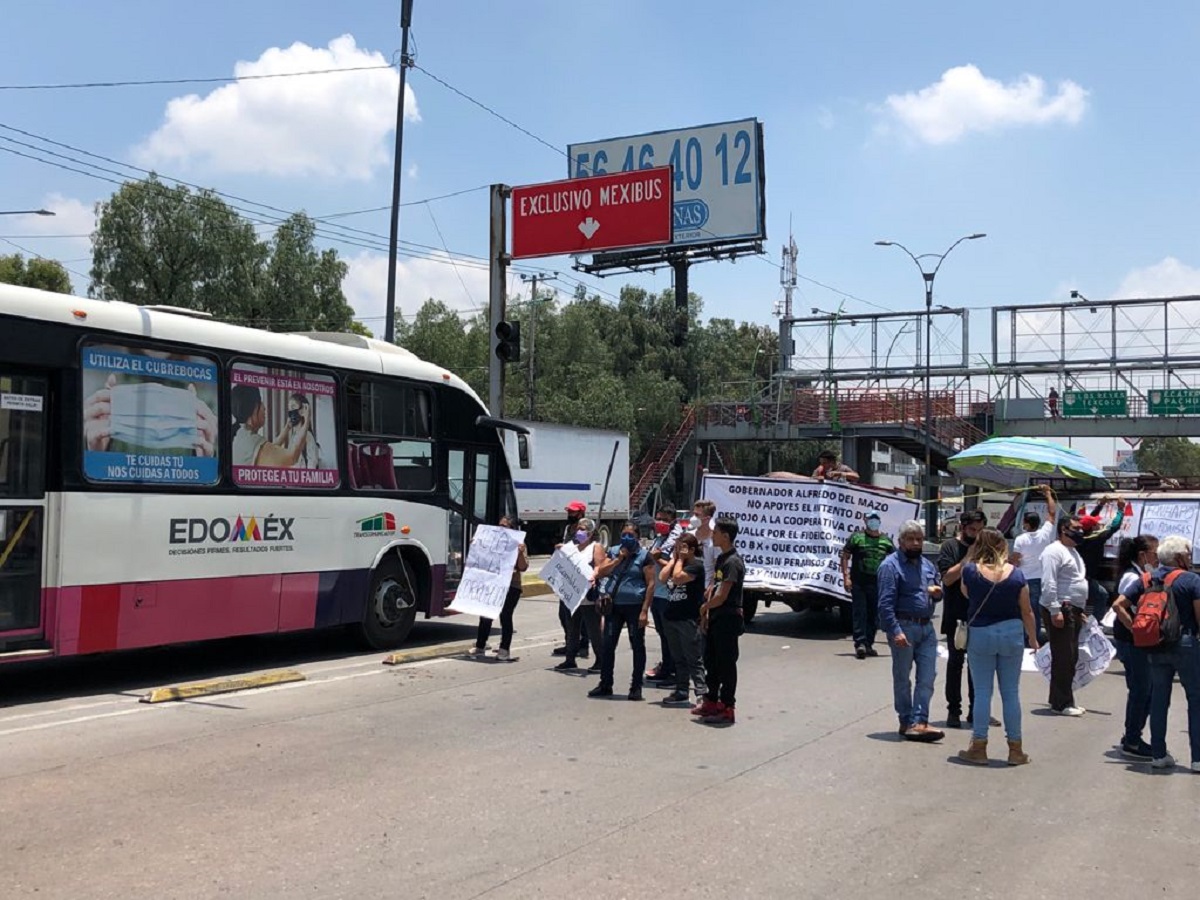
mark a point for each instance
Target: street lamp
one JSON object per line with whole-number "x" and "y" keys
{"x": 931, "y": 511}
{"x": 26, "y": 212}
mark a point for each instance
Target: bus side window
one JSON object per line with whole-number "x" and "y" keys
{"x": 389, "y": 425}
{"x": 523, "y": 451}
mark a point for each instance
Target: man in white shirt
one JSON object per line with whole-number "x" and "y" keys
{"x": 1029, "y": 545}
{"x": 1064, "y": 596}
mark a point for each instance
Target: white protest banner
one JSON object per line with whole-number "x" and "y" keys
{"x": 488, "y": 573}
{"x": 791, "y": 533}
{"x": 569, "y": 574}
{"x": 1096, "y": 654}
{"x": 1130, "y": 527}
{"x": 1167, "y": 518}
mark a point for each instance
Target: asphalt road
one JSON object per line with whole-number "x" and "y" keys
{"x": 453, "y": 778}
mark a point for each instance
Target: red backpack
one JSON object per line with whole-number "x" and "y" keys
{"x": 1156, "y": 619}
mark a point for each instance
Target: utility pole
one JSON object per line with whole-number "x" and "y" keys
{"x": 389, "y": 328}
{"x": 533, "y": 301}
{"x": 787, "y": 278}
{"x": 497, "y": 283}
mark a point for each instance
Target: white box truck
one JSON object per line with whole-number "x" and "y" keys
{"x": 555, "y": 464}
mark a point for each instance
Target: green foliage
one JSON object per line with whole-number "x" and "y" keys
{"x": 155, "y": 244}
{"x": 1169, "y": 456}
{"x": 44, "y": 274}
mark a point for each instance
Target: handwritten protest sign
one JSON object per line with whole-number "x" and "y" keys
{"x": 1165, "y": 518}
{"x": 791, "y": 533}
{"x": 1096, "y": 654}
{"x": 569, "y": 574}
{"x": 488, "y": 573}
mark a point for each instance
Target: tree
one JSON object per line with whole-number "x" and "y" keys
{"x": 43, "y": 274}
{"x": 1169, "y": 456}
{"x": 357, "y": 327}
{"x": 160, "y": 245}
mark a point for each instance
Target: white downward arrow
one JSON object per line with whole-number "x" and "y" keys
{"x": 589, "y": 226}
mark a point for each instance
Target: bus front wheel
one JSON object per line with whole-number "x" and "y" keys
{"x": 391, "y": 605}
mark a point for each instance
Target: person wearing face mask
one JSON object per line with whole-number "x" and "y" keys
{"x": 952, "y": 558}
{"x": 701, "y": 525}
{"x": 861, "y": 556}
{"x": 586, "y": 615}
{"x": 666, "y": 533}
{"x": 576, "y": 510}
{"x": 629, "y": 576}
{"x": 908, "y": 591}
{"x": 1064, "y": 596}
{"x": 1138, "y": 555}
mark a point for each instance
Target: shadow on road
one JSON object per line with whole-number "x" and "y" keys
{"x": 779, "y": 621}
{"x": 134, "y": 671}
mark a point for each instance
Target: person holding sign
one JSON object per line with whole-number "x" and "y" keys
{"x": 684, "y": 577}
{"x": 721, "y": 621}
{"x": 586, "y": 615}
{"x": 631, "y": 574}
{"x": 510, "y": 605}
{"x": 861, "y": 556}
{"x": 908, "y": 591}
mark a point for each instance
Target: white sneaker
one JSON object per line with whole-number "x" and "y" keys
{"x": 1166, "y": 762}
{"x": 502, "y": 654}
{"x": 1072, "y": 711}
{"x": 477, "y": 651}
{"x": 1196, "y": 766}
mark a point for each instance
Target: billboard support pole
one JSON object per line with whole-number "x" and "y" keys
{"x": 680, "y": 265}
{"x": 497, "y": 283}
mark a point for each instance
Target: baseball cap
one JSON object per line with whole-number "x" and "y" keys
{"x": 576, "y": 506}
{"x": 1089, "y": 523}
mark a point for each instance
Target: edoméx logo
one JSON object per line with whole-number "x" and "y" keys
{"x": 241, "y": 534}
{"x": 380, "y": 523}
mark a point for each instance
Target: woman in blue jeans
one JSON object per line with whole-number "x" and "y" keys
{"x": 999, "y": 617}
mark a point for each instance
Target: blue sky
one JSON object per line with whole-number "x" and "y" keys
{"x": 915, "y": 122}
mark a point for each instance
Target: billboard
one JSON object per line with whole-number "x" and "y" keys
{"x": 719, "y": 180}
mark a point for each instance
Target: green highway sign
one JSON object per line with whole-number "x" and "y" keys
{"x": 1095, "y": 403}
{"x": 1174, "y": 402}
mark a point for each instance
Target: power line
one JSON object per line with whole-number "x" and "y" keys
{"x": 29, "y": 252}
{"x": 153, "y": 81}
{"x": 371, "y": 209}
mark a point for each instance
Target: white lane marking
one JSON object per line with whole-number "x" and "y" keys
{"x": 63, "y": 709}
{"x": 75, "y": 721}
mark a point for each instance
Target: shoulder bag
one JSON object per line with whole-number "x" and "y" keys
{"x": 962, "y": 630}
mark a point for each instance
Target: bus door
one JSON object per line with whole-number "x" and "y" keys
{"x": 472, "y": 472}
{"x": 23, "y": 415}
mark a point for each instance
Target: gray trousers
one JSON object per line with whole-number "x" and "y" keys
{"x": 687, "y": 649}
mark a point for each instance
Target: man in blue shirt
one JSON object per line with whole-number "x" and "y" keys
{"x": 1181, "y": 658}
{"x": 908, "y": 590}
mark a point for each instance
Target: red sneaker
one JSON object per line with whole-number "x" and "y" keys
{"x": 725, "y": 716}
{"x": 707, "y": 707}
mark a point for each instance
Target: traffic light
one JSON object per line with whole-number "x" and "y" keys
{"x": 508, "y": 341}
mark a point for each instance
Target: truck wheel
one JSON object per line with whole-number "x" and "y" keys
{"x": 845, "y": 617}
{"x": 391, "y": 605}
{"x": 749, "y": 607}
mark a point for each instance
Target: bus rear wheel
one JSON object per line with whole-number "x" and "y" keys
{"x": 391, "y": 605}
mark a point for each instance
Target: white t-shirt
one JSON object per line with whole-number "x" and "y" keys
{"x": 1064, "y": 578}
{"x": 1129, "y": 579}
{"x": 1031, "y": 544}
{"x": 246, "y": 446}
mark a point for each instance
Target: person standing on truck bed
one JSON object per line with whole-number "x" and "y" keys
{"x": 953, "y": 556}
{"x": 830, "y": 469}
{"x": 1091, "y": 549}
{"x": 908, "y": 591}
{"x": 576, "y": 510}
{"x": 861, "y": 556}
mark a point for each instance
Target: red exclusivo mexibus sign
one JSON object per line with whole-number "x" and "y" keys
{"x": 585, "y": 215}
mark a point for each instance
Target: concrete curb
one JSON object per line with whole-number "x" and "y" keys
{"x": 419, "y": 654}
{"x": 222, "y": 686}
{"x": 535, "y": 588}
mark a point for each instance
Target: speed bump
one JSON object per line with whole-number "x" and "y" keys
{"x": 222, "y": 686}
{"x": 422, "y": 653}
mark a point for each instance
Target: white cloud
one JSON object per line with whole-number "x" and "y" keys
{"x": 414, "y": 172}
{"x": 71, "y": 216}
{"x": 964, "y": 100}
{"x": 325, "y": 125}
{"x": 1168, "y": 278}
{"x": 417, "y": 280}
{"x": 825, "y": 118}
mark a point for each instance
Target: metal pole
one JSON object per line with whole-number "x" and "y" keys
{"x": 532, "y": 333}
{"x": 498, "y": 275}
{"x": 389, "y": 327}
{"x": 680, "y": 265}
{"x": 931, "y": 510}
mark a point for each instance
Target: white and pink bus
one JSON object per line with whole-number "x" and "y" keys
{"x": 165, "y": 478}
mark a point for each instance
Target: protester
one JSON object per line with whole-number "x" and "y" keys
{"x": 1052, "y": 403}
{"x": 908, "y": 590}
{"x": 954, "y": 554}
{"x": 1138, "y": 556}
{"x": 684, "y": 576}
{"x": 721, "y": 621}
{"x": 1000, "y": 620}
{"x": 586, "y": 616}
{"x": 666, "y": 532}
{"x": 701, "y": 524}
{"x": 1064, "y": 596}
{"x": 576, "y": 510}
{"x": 861, "y": 556}
{"x": 630, "y": 575}
{"x": 510, "y": 604}
{"x": 830, "y": 469}
{"x": 1091, "y": 550}
{"x": 1035, "y": 537}
{"x": 1180, "y": 658}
